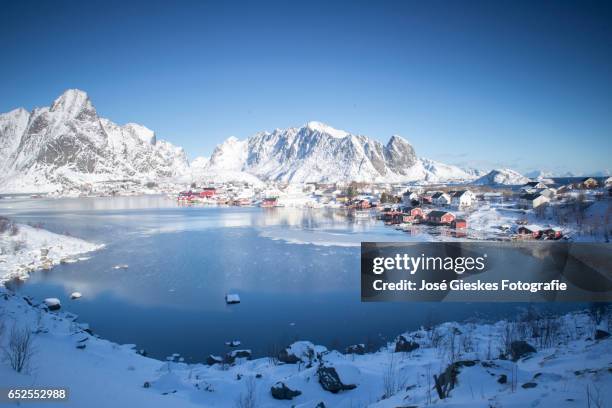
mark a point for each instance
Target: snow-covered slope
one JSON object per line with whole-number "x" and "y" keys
{"x": 317, "y": 152}
{"x": 68, "y": 145}
{"x": 501, "y": 177}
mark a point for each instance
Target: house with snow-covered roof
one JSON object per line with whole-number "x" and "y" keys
{"x": 463, "y": 198}
{"x": 440, "y": 217}
{"x": 408, "y": 197}
{"x": 532, "y": 200}
{"x": 532, "y": 186}
{"x": 440, "y": 198}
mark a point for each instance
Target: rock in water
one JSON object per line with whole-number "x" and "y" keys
{"x": 280, "y": 391}
{"x": 52, "y": 303}
{"x": 232, "y": 298}
{"x": 75, "y": 295}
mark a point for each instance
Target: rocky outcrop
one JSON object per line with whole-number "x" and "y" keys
{"x": 301, "y": 352}
{"x": 331, "y": 380}
{"x": 280, "y": 391}
{"x": 405, "y": 345}
{"x": 231, "y": 357}
{"x": 520, "y": 349}
{"x": 359, "y": 349}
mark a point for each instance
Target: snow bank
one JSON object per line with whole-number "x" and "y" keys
{"x": 30, "y": 249}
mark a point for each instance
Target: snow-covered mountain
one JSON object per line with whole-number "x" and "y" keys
{"x": 68, "y": 145}
{"x": 317, "y": 152}
{"x": 501, "y": 177}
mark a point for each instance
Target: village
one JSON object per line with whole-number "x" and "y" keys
{"x": 578, "y": 210}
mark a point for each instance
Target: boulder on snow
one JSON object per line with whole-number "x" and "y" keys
{"x": 52, "y": 303}
{"x": 232, "y": 298}
{"x": 338, "y": 378}
{"x": 359, "y": 349}
{"x": 405, "y": 345}
{"x": 301, "y": 352}
{"x": 231, "y": 357}
{"x": 445, "y": 382}
{"x": 280, "y": 391}
{"x": 75, "y": 295}
{"x": 520, "y": 349}
{"x": 529, "y": 385}
{"x": 601, "y": 334}
{"x": 212, "y": 360}
{"x": 502, "y": 379}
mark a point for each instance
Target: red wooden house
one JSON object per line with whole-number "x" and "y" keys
{"x": 208, "y": 192}
{"x": 459, "y": 223}
{"x": 413, "y": 215}
{"x": 269, "y": 202}
{"x": 440, "y": 217}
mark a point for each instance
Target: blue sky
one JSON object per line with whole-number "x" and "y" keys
{"x": 519, "y": 84}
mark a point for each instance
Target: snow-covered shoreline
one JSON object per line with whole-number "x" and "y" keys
{"x": 25, "y": 249}
{"x": 569, "y": 364}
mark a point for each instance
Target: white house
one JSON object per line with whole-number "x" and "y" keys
{"x": 548, "y": 192}
{"x": 441, "y": 198}
{"x": 532, "y": 200}
{"x": 408, "y": 197}
{"x": 463, "y": 198}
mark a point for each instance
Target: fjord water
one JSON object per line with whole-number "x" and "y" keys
{"x": 296, "y": 271}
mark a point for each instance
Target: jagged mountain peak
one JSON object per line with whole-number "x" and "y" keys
{"x": 72, "y": 102}
{"x": 320, "y": 153}
{"x": 321, "y": 127}
{"x": 68, "y": 145}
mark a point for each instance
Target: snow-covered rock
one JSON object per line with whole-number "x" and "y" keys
{"x": 501, "y": 177}
{"x": 301, "y": 352}
{"x": 52, "y": 303}
{"x": 338, "y": 377}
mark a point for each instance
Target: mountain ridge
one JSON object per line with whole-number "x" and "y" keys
{"x": 67, "y": 145}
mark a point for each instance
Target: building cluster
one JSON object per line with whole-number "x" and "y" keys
{"x": 402, "y": 204}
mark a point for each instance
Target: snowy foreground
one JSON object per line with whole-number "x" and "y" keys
{"x": 24, "y": 249}
{"x": 484, "y": 366}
